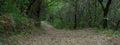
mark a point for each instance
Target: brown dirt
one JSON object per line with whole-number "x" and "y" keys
{"x": 52, "y": 36}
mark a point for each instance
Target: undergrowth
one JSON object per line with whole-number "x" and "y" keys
{"x": 108, "y": 32}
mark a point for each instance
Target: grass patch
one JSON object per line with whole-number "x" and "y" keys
{"x": 108, "y": 32}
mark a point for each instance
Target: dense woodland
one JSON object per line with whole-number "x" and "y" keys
{"x": 18, "y": 15}
{"x": 59, "y": 22}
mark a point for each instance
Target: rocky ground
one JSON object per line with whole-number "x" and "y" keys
{"x": 52, "y": 36}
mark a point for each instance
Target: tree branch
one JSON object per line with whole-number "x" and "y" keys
{"x": 100, "y": 1}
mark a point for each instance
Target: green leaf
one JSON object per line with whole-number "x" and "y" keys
{"x": 118, "y": 9}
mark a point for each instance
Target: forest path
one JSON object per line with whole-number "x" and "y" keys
{"x": 53, "y": 36}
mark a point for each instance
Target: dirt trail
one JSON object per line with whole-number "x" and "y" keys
{"x": 53, "y": 36}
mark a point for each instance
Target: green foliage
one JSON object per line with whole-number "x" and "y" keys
{"x": 89, "y": 13}
{"x": 108, "y": 32}
{"x": 57, "y": 23}
{"x": 118, "y": 9}
{"x": 82, "y": 25}
{"x": 22, "y": 33}
{"x": 16, "y": 10}
{"x": 8, "y": 7}
{"x": 60, "y": 25}
{"x": 60, "y": 13}
{"x": 53, "y": 6}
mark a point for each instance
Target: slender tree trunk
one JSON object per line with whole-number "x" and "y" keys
{"x": 75, "y": 16}
{"x": 116, "y": 28}
{"x": 31, "y": 2}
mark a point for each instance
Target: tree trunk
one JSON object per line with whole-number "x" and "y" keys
{"x": 75, "y": 16}
{"x": 31, "y": 2}
{"x": 105, "y": 11}
{"x": 34, "y": 11}
{"x": 116, "y": 28}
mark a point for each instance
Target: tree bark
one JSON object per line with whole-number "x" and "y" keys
{"x": 34, "y": 11}
{"x": 105, "y": 11}
{"x": 75, "y": 16}
{"x": 105, "y": 21}
{"x": 31, "y": 2}
{"x": 116, "y": 28}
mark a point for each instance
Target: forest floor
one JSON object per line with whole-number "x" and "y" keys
{"x": 53, "y": 36}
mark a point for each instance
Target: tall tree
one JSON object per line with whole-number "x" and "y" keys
{"x": 34, "y": 10}
{"x": 105, "y": 11}
{"x": 75, "y": 13}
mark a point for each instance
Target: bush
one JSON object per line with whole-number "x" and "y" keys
{"x": 57, "y": 23}
{"x": 6, "y": 23}
{"x": 108, "y": 32}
